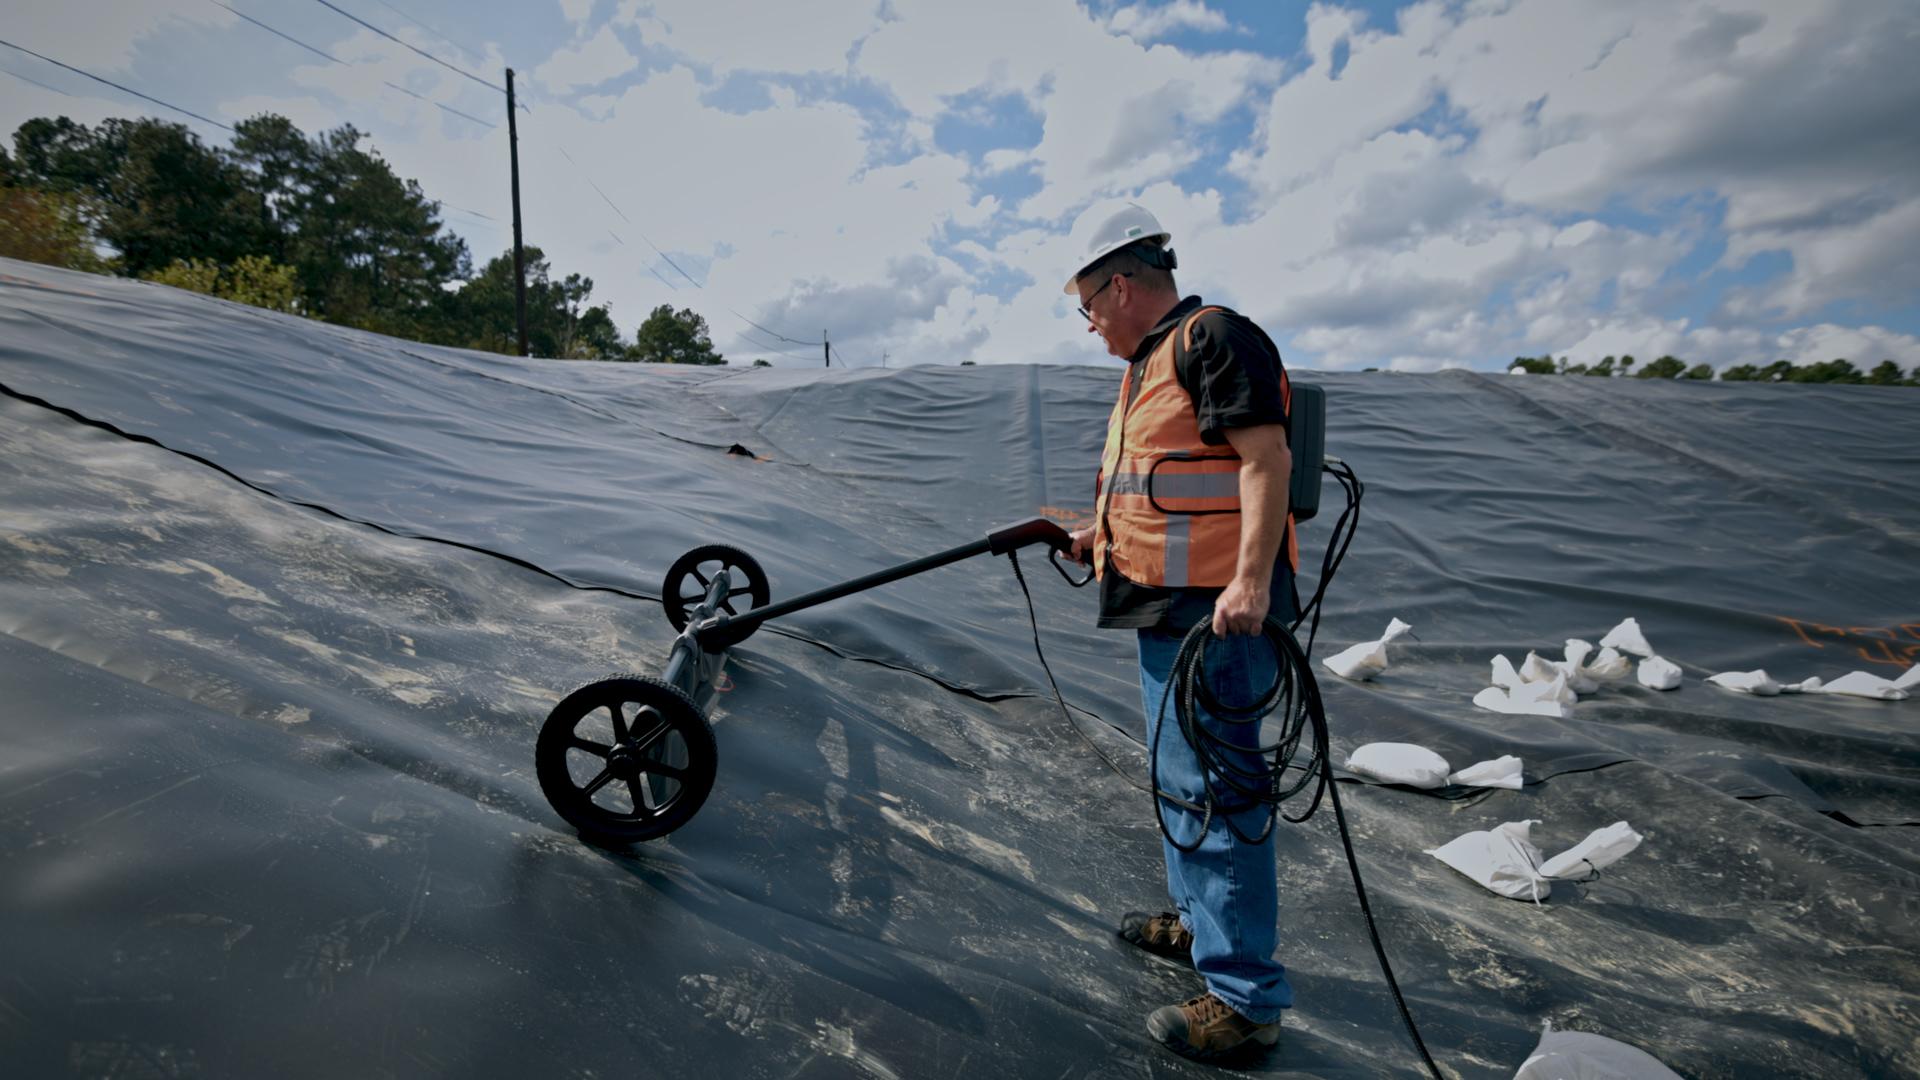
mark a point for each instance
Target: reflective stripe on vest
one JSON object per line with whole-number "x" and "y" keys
{"x": 1167, "y": 506}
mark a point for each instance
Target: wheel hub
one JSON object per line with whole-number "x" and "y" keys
{"x": 624, "y": 763}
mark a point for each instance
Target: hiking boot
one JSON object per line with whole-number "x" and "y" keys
{"x": 1159, "y": 934}
{"x": 1207, "y": 1028}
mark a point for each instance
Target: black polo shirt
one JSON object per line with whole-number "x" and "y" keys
{"x": 1233, "y": 374}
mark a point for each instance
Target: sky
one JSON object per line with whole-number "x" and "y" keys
{"x": 1404, "y": 186}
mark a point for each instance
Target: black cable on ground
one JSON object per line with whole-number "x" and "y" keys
{"x": 1228, "y": 756}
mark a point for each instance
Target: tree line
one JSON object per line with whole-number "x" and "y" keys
{"x": 1885, "y": 373}
{"x": 318, "y": 226}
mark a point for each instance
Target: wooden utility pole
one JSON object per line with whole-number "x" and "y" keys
{"x": 519, "y": 258}
{"x": 826, "y": 350}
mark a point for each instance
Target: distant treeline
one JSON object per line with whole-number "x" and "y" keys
{"x": 316, "y": 226}
{"x": 1885, "y": 373}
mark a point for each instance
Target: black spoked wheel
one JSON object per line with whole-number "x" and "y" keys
{"x": 693, "y": 573}
{"x": 626, "y": 759}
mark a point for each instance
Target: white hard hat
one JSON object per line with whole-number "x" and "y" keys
{"x": 1106, "y": 228}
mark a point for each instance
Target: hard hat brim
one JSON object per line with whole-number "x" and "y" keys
{"x": 1074, "y": 279}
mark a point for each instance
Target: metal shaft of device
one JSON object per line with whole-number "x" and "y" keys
{"x": 743, "y": 623}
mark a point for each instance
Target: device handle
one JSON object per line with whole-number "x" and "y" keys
{"x": 1053, "y": 555}
{"x": 1032, "y": 531}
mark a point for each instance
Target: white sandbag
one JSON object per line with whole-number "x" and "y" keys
{"x": 1659, "y": 673}
{"x": 1497, "y": 700}
{"x": 1577, "y": 680}
{"x": 1810, "y": 685}
{"x": 1367, "y": 659}
{"x": 1503, "y": 674}
{"x": 1909, "y": 681}
{"x": 1601, "y": 849}
{"x": 1539, "y": 669}
{"x": 1399, "y": 763}
{"x": 1580, "y": 1055}
{"x": 1627, "y": 638}
{"x": 1578, "y": 651}
{"x": 1555, "y": 690}
{"x": 1502, "y": 859}
{"x": 1865, "y": 684}
{"x": 1756, "y": 682}
{"x": 1609, "y": 665}
{"x": 1501, "y": 772}
{"x": 1575, "y": 667}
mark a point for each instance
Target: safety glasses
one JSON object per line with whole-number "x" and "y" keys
{"x": 1082, "y": 309}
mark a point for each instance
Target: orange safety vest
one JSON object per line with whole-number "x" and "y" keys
{"x": 1167, "y": 505}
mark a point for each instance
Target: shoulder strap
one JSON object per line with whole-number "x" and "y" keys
{"x": 1184, "y": 345}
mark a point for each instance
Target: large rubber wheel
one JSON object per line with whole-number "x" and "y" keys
{"x": 626, "y": 759}
{"x": 690, "y": 575}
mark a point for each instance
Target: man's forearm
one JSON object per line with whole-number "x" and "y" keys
{"x": 1263, "y": 515}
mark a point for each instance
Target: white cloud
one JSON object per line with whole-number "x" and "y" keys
{"x": 1146, "y": 22}
{"x": 1460, "y": 183}
{"x": 755, "y": 36}
{"x": 1564, "y": 108}
{"x": 1118, "y": 115}
{"x": 102, "y": 40}
{"x": 1865, "y": 346}
{"x": 586, "y": 63}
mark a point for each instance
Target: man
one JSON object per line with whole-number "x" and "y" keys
{"x": 1191, "y": 524}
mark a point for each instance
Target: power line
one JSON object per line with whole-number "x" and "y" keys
{"x": 594, "y": 186}
{"x": 670, "y": 262}
{"x": 662, "y": 277}
{"x": 469, "y": 50}
{"x": 216, "y": 123}
{"x": 764, "y": 330}
{"x": 279, "y": 34}
{"x": 582, "y": 173}
{"x": 775, "y": 349}
{"x": 323, "y": 54}
{"x": 456, "y": 70}
{"x": 36, "y": 82}
{"x": 117, "y": 86}
{"x": 438, "y": 105}
{"x": 470, "y": 213}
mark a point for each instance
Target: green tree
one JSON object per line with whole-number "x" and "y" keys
{"x": 1626, "y": 366}
{"x": 763, "y": 363}
{"x": 45, "y": 227}
{"x": 1830, "y": 371}
{"x": 193, "y": 275}
{"x": 1667, "y": 367}
{"x": 369, "y": 248}
{"x": 1542, "y": 365}
{"x": 252, "y": 279}
{"x": 1885, "y": 373}
{"x": 560, "y": 322}
{"x": 1699, "y": 371}
{"x": 673, "y": 337}
{"x": 1601, "y": 370}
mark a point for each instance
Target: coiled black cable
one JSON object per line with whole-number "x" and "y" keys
{"x": 1228, "y": 776}
{"x": 1225, "y": 753}
{"x": 1232, "y": 787}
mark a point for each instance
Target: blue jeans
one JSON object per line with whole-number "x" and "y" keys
{"x": 1226, "y": 891}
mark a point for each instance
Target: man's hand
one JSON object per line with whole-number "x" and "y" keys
{"x": 1241, "y": 609}
{"x": 1082, "y": 551}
